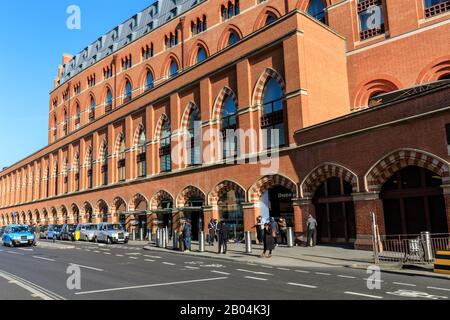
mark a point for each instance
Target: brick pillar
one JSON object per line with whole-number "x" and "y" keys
{"x": 251, "y": 212}
{"x": 303, "y": 207}
{"x": 446, "y": 194}
{"x": 365, "y": 203}
{"x": 177, "y": 216}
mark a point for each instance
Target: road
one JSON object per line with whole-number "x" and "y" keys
{"x": 129, "y": 272}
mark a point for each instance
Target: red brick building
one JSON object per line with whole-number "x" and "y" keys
{"x": 318, "y": 71}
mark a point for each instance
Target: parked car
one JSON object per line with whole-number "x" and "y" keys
{"x": 53, "y": 231}
{"x": 43, "y": 232}
{"x": 111, "y": 233}
{"x": 87, "y": 231}
{"x": 16, "y": 235}
{"x": 67, "y": 232}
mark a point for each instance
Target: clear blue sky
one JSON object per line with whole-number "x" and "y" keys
{"x": 33, "y": 36}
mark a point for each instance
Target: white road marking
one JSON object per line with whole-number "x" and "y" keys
{"x": 13, "y": 252}
{"x": 78, "y": 248}
{"x": 87, "y": 250}
{"x": 26, "y": 249}
{"x": 267, "y": 267}
{"x": 43, "y": 258}
{"x": 1, "y": 250}
{"x": 404, "y": 284}
{"x": 107, "y": 253}
{"x": 220, "y": 272}
{"x": 284, "y": 269}
{"x": 302, "y": 271}
{"x": 255, "y": 278}
{"x": 437, "y": 288}
{"x": 133, "y": 254}
{"x": 119, "y": 255}
{"x": 169, "y": 263}
{"x": 255, "y": 272}
{"x": 343, "y": 276}
{"x": 302, "y": 285}
{"x": 134, "y": 258}
{"x": 149, "y": 260}
{"x": 152, "y": 285}
{"x": 363, "y": 295}
{"x": 87, "y": 267}
{"x": 323, "y": 273}
{"x": 192, "y": 268}
{"x": 96, "y": 251}
{"x": 154, "y": 257}
{"x": 373, "y": 280}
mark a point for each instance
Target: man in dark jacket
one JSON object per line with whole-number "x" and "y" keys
{"x": 268, "y": 241}
{"x": 275, "y": 230}
{"x": 187, "y": 233}
{"x": 311, "y": 226}
{"x": 222, "y": 230}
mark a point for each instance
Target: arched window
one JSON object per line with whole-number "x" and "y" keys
{"x": 230, "y": 9}
{"x": 121, "y": 160}
{"x": 201, "y": 54}
{"x": 173, "y": 70}
{"x": 55, "y": 129}
{"x": 127, "y": 96}
{"x": 109, "y": 98}
{"x": 194, "y": 143}
{"x": 92, "y": 109}
{"x": 149, "y": 80}
{"x": 229, "y": 122}
{"x": 90, "y": 168}
{"x": 104, "y": 167}
{"x": 164, "y": 149}
{"x": 77, "y": 116}
{"x": 56, "y": 178}
{"x": 273, "y": 116}
{"x": 77, "y": 174}
{"x": 66, "y": 177}
{"x": 445, "y": 77}
{"x": 316, "y": 9}
{"x": 66, "y": 123}
{"x": 270, "y": 19}
{"x": 141, "y": 158}
{"x": 233, "y": 38}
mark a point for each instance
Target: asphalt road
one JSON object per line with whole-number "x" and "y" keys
{"x": 127, "y": 272}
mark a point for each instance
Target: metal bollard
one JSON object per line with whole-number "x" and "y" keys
{"x": 141, "y": 233}
{"x": 290, "y": 237}
{"x": 166, "y": 230}
{"x": 175, "y": 240}
{"x": 134, "y": 234}
{"x": 248, "y": 242}
{"x": 201, "y": 241}
{"x": 427, "y": 247}
{"x": 157, "y": 234}
{"x": 163, "y": 238}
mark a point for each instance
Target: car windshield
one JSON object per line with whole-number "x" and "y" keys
{"x": 72, "y": 227}
{"x": 114, "y": 227}
{"x": 91, "y": 227}
{"x": 19, "y": 229}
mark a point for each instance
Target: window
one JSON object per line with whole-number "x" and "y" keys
{"x": 201, "y": 54}
{"x": 164, "y": 149}
{"x": 107, "y": 72}
{"x": 316, "y": 9}
{"x": 173, "y": 70}
{"x": 92, "y": 109}
{"x": 141, "y": 155}
{"x": 104, "y": 168}
{"x": 149, "y": 81}
{"x": 273, "y": 117}
{"x": 234, "y": 38}
{"x": 66, "y": 123}
{"x": 229, "y": 122}
{"x": 109, "y": 101}
{"x": 65, "y": 177}
{"x": 90, "y": 168}
{"x": 232, "y": 9}
{"x": 198, "y": 25}
{"x": 77, "y": 175}
{"x": 147, "y": 51}
{"x": 56, "y": 179}
{"x": 55, "y": 129}
{"x": 270, "y": 19}
{"x": 91, "y": 80}
{"x": 77, "y": 116}
{"x": 371, "y": 19}
{"x": 435, "y": 7}
{"x": 128, "y": 91}
{"x": 126, "y": 62}
{"x": 195, "y": 135}
{"x": 121, "y": 161}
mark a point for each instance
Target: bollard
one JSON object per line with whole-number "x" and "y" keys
{"x": 167, "y": 237}
{"x": 201, "y": 241}
{"x": 428, "y": 250}
{"x": 141, "y": 233}
{"x": 248, "y": 242}
{"x": 133, "y": 233}
{"x": 157, "y": 234}
{"x": 290, "y": 237}
{"x": 163, "y": 239}
{"x": 175, "y": 241}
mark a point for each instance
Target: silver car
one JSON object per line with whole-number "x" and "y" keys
{"x": 87, "y": 231}
{"x": 111, "y": 233}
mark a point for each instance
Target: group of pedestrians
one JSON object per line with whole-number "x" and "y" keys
{"x": 218, "y": 231}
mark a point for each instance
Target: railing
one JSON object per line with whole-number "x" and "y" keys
{"x": 108, "y": 107}
{"x": 412, "y": 249}
{"x": 437, "y": 9}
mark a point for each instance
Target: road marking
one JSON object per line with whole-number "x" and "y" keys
{"x": 119, "y": 255}
{"x": 154, "y": 257}
{"x": 373, "y": 280}
{"x": 169, "y": 263}
{"x": 255, "y": 272}
{"x": 107, "y": 253}
{"x": 192, "y": 268}
{"x": 220, "y": 272}
{"x": 149, "y": 260}
{"x": 13, "y": 252}
{"x": 133, "y": 254}
{"x": 302, "y": 271}
{"x": 134, "y": 258}
{"x": 87, "y": 267}
{"x": 87, "y": 250}
{"x": 284, "y": 269}
{"x": 26, "y": 249}
{"x": 302, "y": 285}
{"x": 348, "y": 277}
{"x": 404, "y": 284}
{"x": 95, "y": 251}
{"x": 255, "y": 278}
{"x": 151, "y": 285}
{"x": 323, "y": 273}
{"x": 437, "y": 288}
{"x": 43, "y": 258}
{"x": 1, "y": 250}
{"x": 363, "y": 295}
{"x": 78, "y": 248}
{"x": 267, "y": 267}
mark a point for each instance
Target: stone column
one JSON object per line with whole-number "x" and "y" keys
{"x": 366, "y": 203}
{"x": 251, "y": 211}
{"x": 303, "y": 207}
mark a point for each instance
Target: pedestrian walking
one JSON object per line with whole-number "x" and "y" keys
{"x": 187, "y": 234}
{"x": 259, "y": 229}
{"x": 212, "y": 227}
{"x": 268, "y": 241}
{"x": 311, "y": 226}
{"x": 283, "y": 230}
{"x": 275, "y": 230}
{"x": 222, "y": 231}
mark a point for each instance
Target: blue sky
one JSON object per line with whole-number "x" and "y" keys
{"x": 33, "y": 37}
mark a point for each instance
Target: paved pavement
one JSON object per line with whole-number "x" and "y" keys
{"x": 129, "y": 272}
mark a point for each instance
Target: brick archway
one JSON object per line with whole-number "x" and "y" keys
{"x": 222, "y": 188}
{"x": 117, "y": 203}
{"x": 381, "y": 171}
{"x": 188, "y": 193}
{"x": 139, "y": 129}
{"x": 379, "y": 84}
{"x": 162, "y": 119}
{"x": 136, "y": 201}
{"x": 321, "y": 173}
{"x": 261, "y": 83}
{"x": 266, "y": 182}
{"x": 190, "y": 108}
{"x": 158, "y": 197}
{"x": 120, "y": 137}
{"x": 434, "y": 70}
{"x": 218, "y": 104}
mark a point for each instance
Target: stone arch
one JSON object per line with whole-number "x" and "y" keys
{"x": 140, "y": 127}
{"x": 218, "y": 103}
{"x": 167, "y": 63}
{"x": 378, "y": 84}
{"x": 190, "y": 108}
{"x": 188, "y": 192}
{"x": 101, "y": 151}
{"x": 105, "y": 93}
{"x": 120, "y": 137}
{"x": 45, "y": 216}
{"x": 303, "y": 4}
{"x": 223, "y": 187}
{"x": 37, "y": 216}
{"x": 143, "y": 78}
{"x": 88, "y": 155}
{"x": 117, "y": 203}
{"x": 262, "y": 16}
{"x": 158, "y": 197}
{"x": 163, "y": 118}
{"x": 75, "y": 212}
{"x": 434, "y": 70}
{"x": 223, "y": 39}
{"x": 54, "y": 214}
{"x": 384, "y": 168}
{"x": 30, "y": 217}
{"x": 194, "y": 49}
{"x": 137, "y": 199}
{"x": 87, "y": 206}
{"x": 324, "y": 171}
{"x": 261, "y": 83}
{"x": 123, "y": 84}
{"x": 64, "y": 213}
{"x": 263, "y": 184}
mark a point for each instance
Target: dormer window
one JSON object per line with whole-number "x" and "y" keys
{"x": 91, "y": 80}
{"x": 126, "y": 62}
{"x": 107, "y": 72}
{"x": 230, "y": 10}
{"x": 147, "y": 51}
